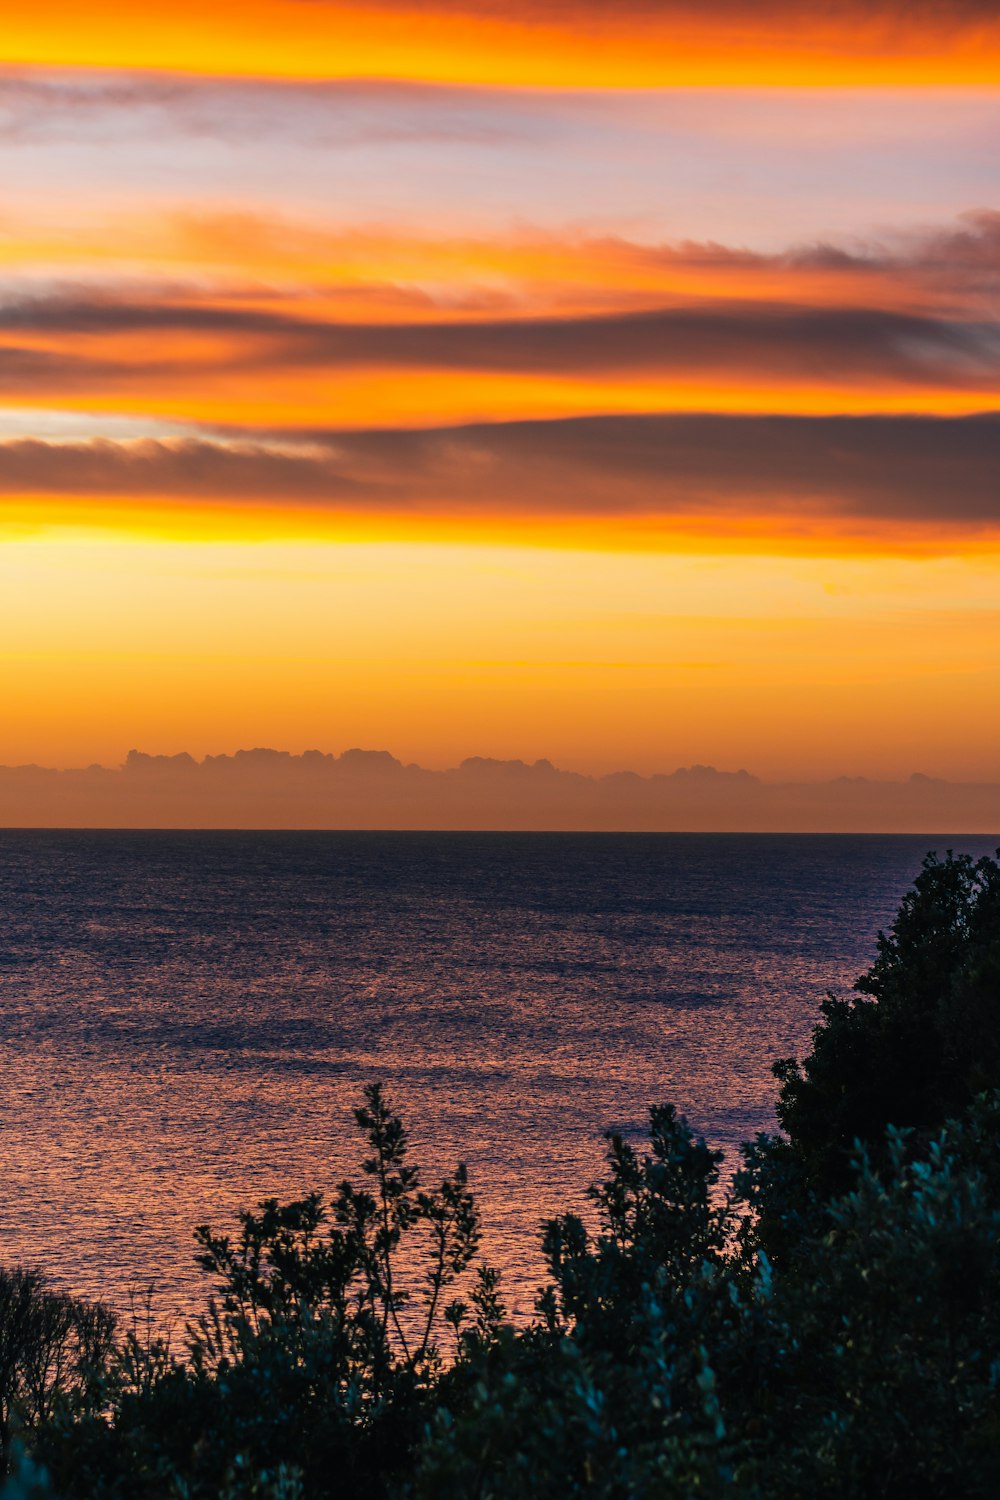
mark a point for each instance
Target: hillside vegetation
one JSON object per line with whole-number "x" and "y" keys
{"x": 830, "y": 1328}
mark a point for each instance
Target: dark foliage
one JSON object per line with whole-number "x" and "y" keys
{"x": 832, "y": 1331}
{"x": 912, "y": 1047}
{"x": 53, "y": 1350}
{"x": 313, "y": 1372}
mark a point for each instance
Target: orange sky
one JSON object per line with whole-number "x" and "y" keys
{"x": 618, "y": 384}
{"x": 516, "y": 43}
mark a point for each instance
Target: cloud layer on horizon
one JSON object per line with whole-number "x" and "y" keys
{"x": 363, "y": 789}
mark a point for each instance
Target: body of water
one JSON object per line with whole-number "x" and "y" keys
{"x": 187, "y": 1019}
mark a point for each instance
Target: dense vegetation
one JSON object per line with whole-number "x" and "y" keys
{"x": 832, "y": 1328}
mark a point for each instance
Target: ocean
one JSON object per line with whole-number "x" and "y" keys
{"x": 188, "y": 1019}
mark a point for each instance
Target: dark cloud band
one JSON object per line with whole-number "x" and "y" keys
{"x": 745, "y": 342}
{"x": 894, "y": 469}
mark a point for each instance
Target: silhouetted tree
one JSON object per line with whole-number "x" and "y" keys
{"x": 313, "y": 1371}
{"x": 53, "y": 1349}
{"x": 837, "y": 1336}
{"x": 915, "y": 1043}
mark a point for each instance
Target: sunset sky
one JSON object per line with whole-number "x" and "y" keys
{"x": 617, "y": 384}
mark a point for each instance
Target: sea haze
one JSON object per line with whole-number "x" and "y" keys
{"x": 188, "y": 1019}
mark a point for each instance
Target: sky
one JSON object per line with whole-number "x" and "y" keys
{"x": 616, "y": 385}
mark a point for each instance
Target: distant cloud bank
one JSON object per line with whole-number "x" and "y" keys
{"x": 361, "y": 789}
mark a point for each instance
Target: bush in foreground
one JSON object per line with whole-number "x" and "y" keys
{"x": 833, "y": 1329}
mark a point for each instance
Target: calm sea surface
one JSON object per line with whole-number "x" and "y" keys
{"x": 187, "y": 1019}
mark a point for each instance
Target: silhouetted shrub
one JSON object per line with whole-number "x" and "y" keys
{"x": 313, "y": 1371}
{"x": 832, "y": 1331}
{"x": 53, "y": 1350}
{"x": 613, "y": 1389}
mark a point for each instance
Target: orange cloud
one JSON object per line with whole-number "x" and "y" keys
{"x": 552, "y": 44}
{"x": 795, "y": 484}
{"x": 363, "y": 272}
{"x": 216, "y": 361}
{"x": 695, "y": 425}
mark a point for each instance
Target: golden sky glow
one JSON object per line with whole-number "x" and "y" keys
{"x": 637, "y": 657}
{"x": 617, "y": 384}
{"x": 555, "y": 45}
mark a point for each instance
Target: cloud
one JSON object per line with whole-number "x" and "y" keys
{"x": 941, "y": 472}
{"x": 948, "y": 267}
{"x": 181, "y": 469}
{"x": 743, "y": 342}
{"x": 919, "y": 306}
{"x": 100, "y": 106}
{"x": 556, "y": 41}
{"x": 945, "y": 13}
{"x": 244, "y": 257}
{"x": 372, "y": 789}
{"x": 788, "y": 332}
{"x": 956, "y": 262}
{"x": 747, "y": 341}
